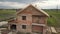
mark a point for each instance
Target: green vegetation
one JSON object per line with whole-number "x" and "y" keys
{"x": 7, "y": 13}
{"x": 53, "y": 20}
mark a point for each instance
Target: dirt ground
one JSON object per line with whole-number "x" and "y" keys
{"x": 58, "y": 30}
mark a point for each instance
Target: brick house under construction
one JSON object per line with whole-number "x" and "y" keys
{"x": 29, "y": 19}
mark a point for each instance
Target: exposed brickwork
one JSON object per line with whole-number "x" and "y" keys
{"x": 37, "y": 28}
{"x": 32, "y": 16}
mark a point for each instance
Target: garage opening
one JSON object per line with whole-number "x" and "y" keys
{"x": 37, "y": 29}
{"x": 13, "y": 27}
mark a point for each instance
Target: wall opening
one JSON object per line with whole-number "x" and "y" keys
{"x": 23, "y": 17}
{"x": 37, "y": 29}
{"x": 23, "y": 26}
{"x": 13, "y": 27}
{"x": 36, "y": 18}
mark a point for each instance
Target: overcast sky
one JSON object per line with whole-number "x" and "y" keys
{"x": 44, "y": 4}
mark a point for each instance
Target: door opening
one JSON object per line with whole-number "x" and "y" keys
{"x": 13, "y": 27}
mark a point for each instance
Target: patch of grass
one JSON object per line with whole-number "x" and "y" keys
{"x": 7, "y": 13}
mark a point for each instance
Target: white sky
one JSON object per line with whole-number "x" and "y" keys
{"x": 45, "y": 4}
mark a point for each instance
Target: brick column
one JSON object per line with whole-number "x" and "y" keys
{"x": 44, "y": 30}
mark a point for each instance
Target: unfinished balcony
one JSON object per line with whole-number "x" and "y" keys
{"x": 38, "y": 19}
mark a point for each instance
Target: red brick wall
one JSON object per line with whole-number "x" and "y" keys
{"x": 37, "y": 28}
